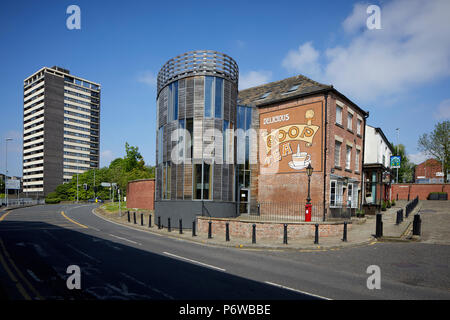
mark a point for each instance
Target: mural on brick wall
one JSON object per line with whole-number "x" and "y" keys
{"x": 291, "y": 138}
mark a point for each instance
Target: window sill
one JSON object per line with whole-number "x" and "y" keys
{"x": 338, "y": 168}
{"x": 340, "y": 125}
{"x": 349, "y": 130}
{"x": 359, "y": 135}
{"x": 348, "y": 170}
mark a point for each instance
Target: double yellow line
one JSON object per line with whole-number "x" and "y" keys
{"x": 73, "y": 221}
{"x": 4, "y": 259}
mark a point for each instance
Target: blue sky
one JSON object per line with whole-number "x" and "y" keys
{"x": 400, "y": 73}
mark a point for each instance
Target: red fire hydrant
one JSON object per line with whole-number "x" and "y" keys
{"x": 308, "y": 210}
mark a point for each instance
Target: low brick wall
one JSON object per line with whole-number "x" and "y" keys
{"x": 417, "y": 189}
{"x": 269, "y": 230}
{"x": 141, "y": 194}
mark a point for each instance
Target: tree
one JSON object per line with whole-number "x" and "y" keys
{"x": 133, "y": 158}
{"x": 436, "y": 144}
{"x": 406, "y": 170}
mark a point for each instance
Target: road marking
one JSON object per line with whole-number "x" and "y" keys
{"x": 81, "y": 225}
{"x": 147, "y": 286}
{"x": 19, "y": 273}
{"x": 4, "y": 216}
{"x": 82, "y": 253}
{"x": 125, "y": 239}
{"x": 14, "y": 279}
{"x": 194, "y": 261}
{"x": 296, "y": 290}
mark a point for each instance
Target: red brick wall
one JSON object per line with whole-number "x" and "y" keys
{"x": 141, "y": 194}
{"x": 417, "y": 189}
{"x": 268, "y": 230}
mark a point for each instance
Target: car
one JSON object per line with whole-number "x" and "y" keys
{"x": 97, "y": 200}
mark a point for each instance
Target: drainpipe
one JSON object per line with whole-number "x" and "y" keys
{"x": 363, "y": 187}
{"x": 325, "y": 161}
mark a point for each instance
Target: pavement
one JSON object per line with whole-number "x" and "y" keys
{"x": 362, "y": 232}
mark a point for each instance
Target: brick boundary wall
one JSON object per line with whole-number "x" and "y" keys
{"x": 269, "y": 230}
{"x": 417, "y": 189}
{"x": 141, "y": 194}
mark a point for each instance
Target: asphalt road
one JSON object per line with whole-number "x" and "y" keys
{"x": 38, "y": 244}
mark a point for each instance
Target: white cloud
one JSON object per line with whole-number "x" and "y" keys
{"x": 106, "y": 156}
{"x": 412, "y": 48}
{"x": 443, "y": 110}
{"x": 254, "y": 78}
{"x": 357, "y": 19}
{"x": 148, "y": 78}
{"x": 303, "y": 60}
{"x": 417, "y": 158}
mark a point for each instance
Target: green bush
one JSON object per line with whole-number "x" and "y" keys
{"x": 388, "y": 204}
{"x": 383, "y": 206}
{"x": 393, "y": 203}
{"x": 52, "y": 198}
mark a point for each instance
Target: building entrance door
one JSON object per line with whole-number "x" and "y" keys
{"x": 244, "y": 201}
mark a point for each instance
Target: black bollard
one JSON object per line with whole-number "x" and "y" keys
{"x": 159, "y": 222}
{"x": 344, "y": 238}
{"x": 209, "y": 229}
{"x": 398, "y": 220}
{"x": 379, "y": 226}
{"x": 181, "y": 226}
{"x": 417, "y": 225}
{"x": 142, "y": 219}
{"x": 401, "y": 215}
{"x": 285, "y": 240}
{"x": 128, "y": 214}
{"x": 168, "y": 225}
{"x": 193, "y": 228}
{"x": 227, "y": 231}
{"x": 149, "y": 220}
{"x": 316, "y": 236}
{"x": 134, "y": 217}
{"x": 254, "y": 233}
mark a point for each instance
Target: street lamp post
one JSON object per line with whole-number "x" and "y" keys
{"x": 308, "y": 207}
{"x": 6, "y": 169}
{"x": 398, "y": 133}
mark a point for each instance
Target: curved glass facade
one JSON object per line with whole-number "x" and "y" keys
{"x": 196, "y": 117}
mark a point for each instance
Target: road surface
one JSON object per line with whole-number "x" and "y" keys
{"x": 38, "y": 244}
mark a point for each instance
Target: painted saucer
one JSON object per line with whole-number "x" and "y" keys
{"x": 300, "y": 167}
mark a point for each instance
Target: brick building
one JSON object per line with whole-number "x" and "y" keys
{"x": 299, "y": 122}
{"x": 429, "y": 171}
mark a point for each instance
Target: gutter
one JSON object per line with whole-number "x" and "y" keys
{"x": 325, "y": 160}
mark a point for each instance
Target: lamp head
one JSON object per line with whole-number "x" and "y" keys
{"x": 309, "y": 170}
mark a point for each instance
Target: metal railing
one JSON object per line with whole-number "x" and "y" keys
{"x": 21, "y": 202}
{"x": 285, "y": 212}
{"x": 199, "y": 62}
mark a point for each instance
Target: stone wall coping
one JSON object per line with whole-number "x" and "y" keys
{"x": 231, "y": 219}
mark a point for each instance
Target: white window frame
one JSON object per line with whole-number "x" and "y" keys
{"x": 338, "y": 153}
{"x": 358, "y": 152}
{"x": 358, "y": 126}
{"x": 350, "y": 121}
{"x": 339, "y": 186}
{"x": 339, "y": 119}
{"x": 348, "y": 159}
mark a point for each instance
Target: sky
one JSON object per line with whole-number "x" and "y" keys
{"x": 399, "y": 71}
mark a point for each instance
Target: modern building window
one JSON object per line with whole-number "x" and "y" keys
{"x": 203, "y": 181}
{"x": 265, "y": 95}
{"x": 348, "y": 158}
{"x": 190, "y": 139}
{"x": 350, "y": 121}
{"x": 225, "y": 141}
{"x": 218, "y": 97}
{"x": 358, "y": 127}
{"x": 209, "y": 81}
{"x": 213, "y": 97}
{"x": 337, "y": 154}
{"x": 338, "y": 115}
{"x": 160, "y": 144}
{"x": 166, "y": 179}
{"x": 172, "y": 112}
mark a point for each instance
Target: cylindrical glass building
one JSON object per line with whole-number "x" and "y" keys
{"x": 195, "y": 153}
